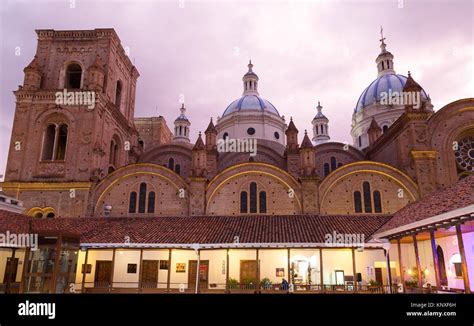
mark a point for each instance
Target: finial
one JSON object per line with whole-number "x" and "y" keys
{"x": 409, "y": 74}
{"x": 211, "y": 119}
{"x": 382, "y": 39}
{"x": 291, "y": 118}
{"x": 199, "y": 134}
{"x": 250, "y": 65}
{"x": 183, "y": 109}
{"x": 305, "y": 132}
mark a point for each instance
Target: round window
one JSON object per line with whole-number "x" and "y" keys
{"x": 251, "y": 131}
{"x": 277, "y": 135}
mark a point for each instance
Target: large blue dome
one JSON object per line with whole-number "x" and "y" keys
{"x": 250, "y": 103}
{"x": 382, "y": 84}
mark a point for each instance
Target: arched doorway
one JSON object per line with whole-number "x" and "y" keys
{"x": 442, "y": 267}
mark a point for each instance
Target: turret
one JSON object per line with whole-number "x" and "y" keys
{"x": 181, "y": 126}
{"x": 307, "y": 157}
{"x": 320, "y": 127}
{"x": 211, "y": 136}
{"x": 374, "y": 132}
{"x": 199, "y": 159}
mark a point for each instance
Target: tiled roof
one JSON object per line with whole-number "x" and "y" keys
{"x": 458, "y": 195}
{"x": 13, "y": 222}
{"x": 212, "y": 229}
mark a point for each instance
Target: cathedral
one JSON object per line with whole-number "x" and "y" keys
{"x": 136, "y": 205}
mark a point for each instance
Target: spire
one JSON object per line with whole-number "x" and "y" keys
{"x": 374, "y": 132}
{"x": 291, "y": 126}
{"x": 199, "y": 144}
{"x": 411, "y": 85}
{"x": 385, "y": 58}
{"x": 306, "y": 142}
{"x": 250, "y": 80}
{"x": 210, "y": 128}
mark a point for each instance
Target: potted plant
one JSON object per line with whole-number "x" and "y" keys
{"x": 265, "y": 283}
{"x": 232, "y": 283}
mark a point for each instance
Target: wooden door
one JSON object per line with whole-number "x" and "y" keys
{"x": 203, "y": 274}
{"x": 149, "y": 272}
{"x": 378, "y": 275}
{"x": 248, "y": 272}
{"x": 10, "y": 270}
{"x": 103, "y": 273}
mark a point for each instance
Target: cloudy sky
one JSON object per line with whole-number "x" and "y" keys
{"x": 303, "y": 51}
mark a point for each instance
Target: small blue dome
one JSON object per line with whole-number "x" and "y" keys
{"x": 381, "y": 85}
{"x": 250, "y": 103}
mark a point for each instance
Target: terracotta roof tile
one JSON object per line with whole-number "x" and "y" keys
{"x": 207, "y": 229}
{"x": 458, "y": 195}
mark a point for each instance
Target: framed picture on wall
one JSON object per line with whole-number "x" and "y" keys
{"x": 280, "y": 272}
{"x": 180, "y": 267}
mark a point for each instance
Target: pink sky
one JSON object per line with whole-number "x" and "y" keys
{"x": 303, "y": 51}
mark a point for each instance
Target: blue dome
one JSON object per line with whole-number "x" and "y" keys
{"x": 381, "y": 85}
{"x": 250, "y": 103}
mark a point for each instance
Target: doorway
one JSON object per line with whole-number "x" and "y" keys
{"x": 248, "y": 273}
{"x": 442, "y": 267}
{"x": 149, "y": 273}
{"x": 103, "y": 273}
{"x": 10, "y": 270}
{"x": 378, "y": 275}
{"x": 203, "y": 274}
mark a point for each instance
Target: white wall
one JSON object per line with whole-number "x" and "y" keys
{"x": 270, "y": 260}
{"x": 336, "y": 259}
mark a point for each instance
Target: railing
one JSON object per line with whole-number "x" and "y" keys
{"x": 234, "y": 287}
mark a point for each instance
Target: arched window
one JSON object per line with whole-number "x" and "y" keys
{"x": 367, "y": 200}
{"x": 55, "y": 142}
{"x": 322, "y": 129}
{"x": 317, "y": 130}
{"x": 50, "y": 215}
{"x": 132, "y": 205}
{"x": 118, "y": 94}
{"x": 253, "y": 197}
{"x": 357, "y": 202}
{"x": 48, "y": 143}
{"x": 360, "y": 141}
{"x": 243, "y": 202}
{"x": 171, "y": 163}
{"x": 262, "y": 198}
{"x": 384, "y": 129}
{"x": 326, "y": 169}
{"x": 142, "y": 198}
{"x": 113, "y": 152}
{"x": 333, "y": 163}
{"x": 177, "y": 169}
{"x": 73, "y": 76}
{"x": 151, "y": 202}
{"x": 62, "y": 142}
{"x": 377, "y": 202}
